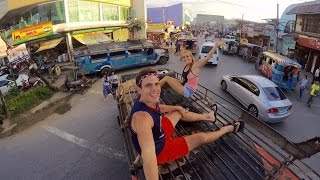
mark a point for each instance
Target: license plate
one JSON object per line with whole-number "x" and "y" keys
{"x": 283, "y": 111}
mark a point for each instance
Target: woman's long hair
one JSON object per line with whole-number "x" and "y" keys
{"x": 190, "y": 54}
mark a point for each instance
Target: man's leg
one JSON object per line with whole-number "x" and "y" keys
{"x": 176, "y": 116}
{"x": 173, "y": 83}
{"x": 198, "y": 139}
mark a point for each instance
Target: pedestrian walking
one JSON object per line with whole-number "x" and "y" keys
{"x": 245, "y": 54}
{"x": 106, "y": 87}
{"x": 316, "y": 75}
{"x": 114, "y": 80}
{"x": 177, "y": 47}
{"x": 315, "y": 88}
{"x": 303, "y": 84}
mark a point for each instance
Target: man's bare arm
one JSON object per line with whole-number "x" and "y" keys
{"x": 167, "y": 108}
{"x": 143, "y": 124}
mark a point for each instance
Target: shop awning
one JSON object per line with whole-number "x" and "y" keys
{"x": 49, "y": 44}
{"x": 92, "y": 38}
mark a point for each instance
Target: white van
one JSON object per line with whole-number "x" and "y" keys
{"x": 230, "y": 38}
{"x": 204, "y": 50}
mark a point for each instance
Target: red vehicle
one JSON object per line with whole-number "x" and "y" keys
{"x": 32, "y": 83}
{"x": 76, "y": 86}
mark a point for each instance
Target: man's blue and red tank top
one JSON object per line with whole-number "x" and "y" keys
{"x": 157, "y": 132}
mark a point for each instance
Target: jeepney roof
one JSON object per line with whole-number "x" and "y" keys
{"x": 282, "y": 60}
{"x": 116, "y": 46}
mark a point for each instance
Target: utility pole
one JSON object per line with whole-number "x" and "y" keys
{"x": 163, "y": 17}
{"x": 241, "y": 26}
{"x": 277, "y": 27}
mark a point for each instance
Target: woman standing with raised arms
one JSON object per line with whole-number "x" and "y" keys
{"x": 190, "y": 73}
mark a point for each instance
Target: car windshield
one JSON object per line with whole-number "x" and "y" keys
{"x": 274, "y": 93}
{"x": 206, "y": 49}
{"x": 3, "y": 83}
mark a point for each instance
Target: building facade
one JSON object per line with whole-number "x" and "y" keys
{"x": 211, "y": 20}
{"x": 307, "y": 28}
{"x": 72, "y": 21}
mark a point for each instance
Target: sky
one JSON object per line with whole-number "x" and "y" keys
{"x": 254, "y": 10}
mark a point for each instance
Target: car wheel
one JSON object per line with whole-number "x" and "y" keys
{"x": 105, "y": 71}
{"x": 163, "y": 60}
{"x": 64, "y": 88}
{"x": 224, "y": 86}
{"x": 253, "y": 110}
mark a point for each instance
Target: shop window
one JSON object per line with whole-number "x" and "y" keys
{"x": 135, "y": 51}
{"x": 110, "y": 12}
{"x": 50, "y": 12}
{"x": 118, "y": 53}
{"x": 124, "y": 13}
{"x": 83, "y": 11}
{"x": 99, "y": 56}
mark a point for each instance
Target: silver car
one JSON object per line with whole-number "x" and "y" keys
{"x": 260, "y": 96}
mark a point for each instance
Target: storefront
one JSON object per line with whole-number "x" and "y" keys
{"x": 308, "y": 52}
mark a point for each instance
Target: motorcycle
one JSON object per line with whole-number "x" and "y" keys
{"x": 76, "y": 86}
{"x": 26, "y": 85}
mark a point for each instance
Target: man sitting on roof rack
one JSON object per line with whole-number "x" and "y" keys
{"x": 151, "y": 132}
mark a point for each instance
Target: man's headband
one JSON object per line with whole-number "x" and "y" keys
{"x": 145, "y": 76}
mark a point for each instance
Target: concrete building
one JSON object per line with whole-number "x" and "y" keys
{"x": 212, "y": 20}
{"x": 70, "y": 21}
{"x": 307, "y": 28}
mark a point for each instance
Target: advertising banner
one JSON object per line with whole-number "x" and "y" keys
{"x": 313, "y": 43}
{"x": 18, "y": 54}
{"x": 3, "y": 48}
{"x": 32, "y": 32}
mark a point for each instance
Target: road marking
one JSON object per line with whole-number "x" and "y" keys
{"x": 87, "y": 144}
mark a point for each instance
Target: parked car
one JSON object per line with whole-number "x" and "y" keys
{"x": 204, "y": 50}
{"x": 260, "y": 96}
{"x": 7, "y": 82}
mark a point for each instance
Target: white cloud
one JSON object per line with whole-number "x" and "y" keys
{"x": 252, "y": 9}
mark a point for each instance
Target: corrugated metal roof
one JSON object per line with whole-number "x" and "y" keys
{"x": 306, "y": 9}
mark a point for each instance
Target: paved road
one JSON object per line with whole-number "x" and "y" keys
{"x": 83, "y": 143}
{"x": 86, "y": 143}
{"x": 302, "y": 124}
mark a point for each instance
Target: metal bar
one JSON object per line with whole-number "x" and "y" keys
{"x": 216, "y": 154}
{"x": 208, "y": 161}
{"x": 239, "y": 137}
{"x": 249, "y": 146}
{"x": 183, "y": 173}
{"x": 281, "y": 141}
{"x": 237, "y": 154}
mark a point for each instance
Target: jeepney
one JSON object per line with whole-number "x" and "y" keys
{"x": 259, "y": 152}
{"x": 105, "y": 58}
{"x": 280, "y": 69}
{"x": 188, "y": 42}
{"x": 230, "y": 47}
{"x": 253, "y": 50}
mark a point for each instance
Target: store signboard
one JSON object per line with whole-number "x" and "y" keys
{"x": 312, "y": 43}
{"x": 3, "y": 48}
{"x": 32, "y": 32}
{"x": 18, "y": 54}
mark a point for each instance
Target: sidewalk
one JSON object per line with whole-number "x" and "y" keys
{"x": 295, "y": 93}
{"x": 57, "y": 97}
